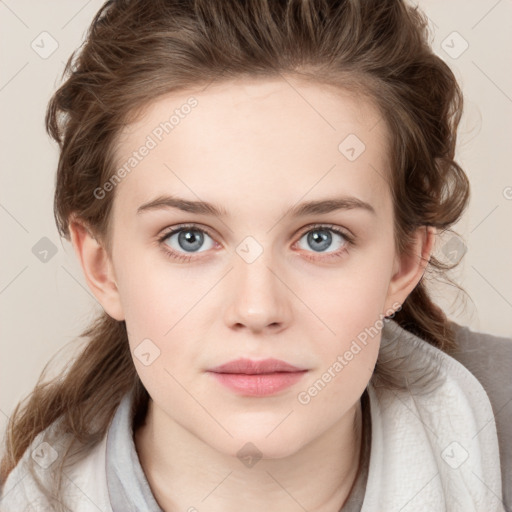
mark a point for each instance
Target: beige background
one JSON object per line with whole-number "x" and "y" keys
{"x": 44, "y": 305}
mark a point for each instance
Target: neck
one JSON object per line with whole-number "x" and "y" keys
{"x": 185, "y": 473}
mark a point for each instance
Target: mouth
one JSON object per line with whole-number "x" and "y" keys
{"x": 257, "y": 378}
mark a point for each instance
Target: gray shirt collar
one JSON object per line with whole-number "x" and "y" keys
{"x": 127, "y": 485}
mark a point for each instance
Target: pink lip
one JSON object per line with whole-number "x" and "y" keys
{"x": 257, "y": 378}
{"x": 251, "y": 367}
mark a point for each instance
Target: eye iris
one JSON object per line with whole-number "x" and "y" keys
{"x": 190, "y": 236}
{"x": 324, "y": 239}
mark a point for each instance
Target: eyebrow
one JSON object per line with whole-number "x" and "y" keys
{"x": 316, "y": 207}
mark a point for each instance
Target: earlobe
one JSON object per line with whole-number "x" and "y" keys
{"x": 97, "y": 268}
{"x": 410, "y": 266}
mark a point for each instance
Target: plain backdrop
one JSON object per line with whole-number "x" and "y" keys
{"x": 44, "y": 301}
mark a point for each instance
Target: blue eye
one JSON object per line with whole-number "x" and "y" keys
{"x": 187, "y": 239}
{"x": 321, "y": 238}
{"x": 182, "y": 242}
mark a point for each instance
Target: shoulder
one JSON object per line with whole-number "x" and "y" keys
{"x": 489, "y": 359}
{"x": 83, "y": 482}
{"x": 439, "y": 420}
{"x": 482, "y": 351}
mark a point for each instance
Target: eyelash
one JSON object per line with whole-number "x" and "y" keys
{"x": 350, "y": 240}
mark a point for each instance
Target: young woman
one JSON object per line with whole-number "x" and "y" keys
{"x": 254, "y": 190}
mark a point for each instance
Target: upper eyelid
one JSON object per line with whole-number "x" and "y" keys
{"x": 327, "y": 227}
{"x": 176, "y": 229}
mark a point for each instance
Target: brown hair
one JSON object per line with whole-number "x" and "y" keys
{"x": 138, "y": 50}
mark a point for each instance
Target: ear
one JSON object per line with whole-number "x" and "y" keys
{"x": 409, "y": 267}
{"x": 97, "y": 268}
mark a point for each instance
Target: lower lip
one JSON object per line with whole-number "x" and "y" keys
{"x": 263, "y": 384}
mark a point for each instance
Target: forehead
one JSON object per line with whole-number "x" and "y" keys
{"x": 277, "y": 139}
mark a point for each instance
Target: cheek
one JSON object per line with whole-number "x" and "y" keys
{"x": 158, "y": 324}
{"x": 347, "y": 352}
{"x": 350, "y": 312}
{"x": 163, "y": 310}
{"x": 346, "y": 346}
{"x": 349, "y": 300}
{"x": 346, "y": 363}
{"x": 153, "y": 294}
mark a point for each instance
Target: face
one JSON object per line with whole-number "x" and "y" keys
{"x": 296, "y": 264}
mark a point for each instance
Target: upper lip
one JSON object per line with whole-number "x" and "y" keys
{"x": 251, "y": 367}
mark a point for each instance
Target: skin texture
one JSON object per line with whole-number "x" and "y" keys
{"x": 255, "y": 148}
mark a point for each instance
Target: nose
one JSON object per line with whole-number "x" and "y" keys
{"x": 259, "y": 300}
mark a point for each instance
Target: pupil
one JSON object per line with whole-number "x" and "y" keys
{"x": 188, "y": 237}
{"x": 324, "y": 239}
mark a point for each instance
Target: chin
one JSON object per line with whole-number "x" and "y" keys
{"x": 256, "y": 443}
